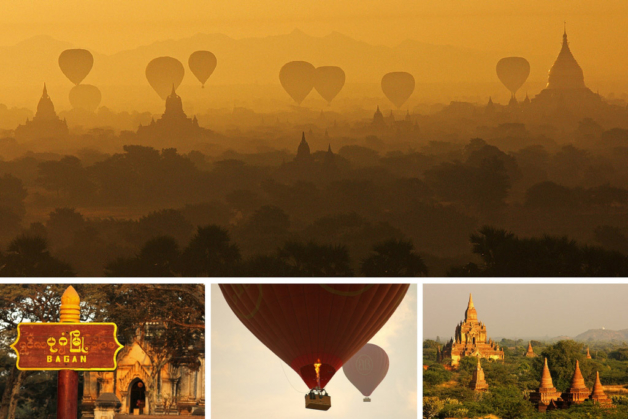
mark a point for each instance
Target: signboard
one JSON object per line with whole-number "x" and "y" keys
{"x": 67, "y": 346}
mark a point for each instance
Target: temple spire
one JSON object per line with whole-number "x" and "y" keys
{"x": 578, "y": 380}
{"x": 470, "y": 305}
{"x": 45, "y": 92}
{"x": 546, "y": 378}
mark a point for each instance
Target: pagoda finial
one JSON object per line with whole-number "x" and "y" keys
{"x": 45, "y": 92}
{"x": 470, "y": 301}
{"x": 302, "y": 136}
{"x": 174, "y": 93}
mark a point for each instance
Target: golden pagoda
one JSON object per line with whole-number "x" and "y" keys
{"x": 478, "y": 383}
{"x": 598, "y": 395}
{"x": 471, "y": 340}
{"x": 588, "y": 354}
{"x": 547, "y": 394}
{"x": 530, "y": 353}
{"x": 578, "y": 391}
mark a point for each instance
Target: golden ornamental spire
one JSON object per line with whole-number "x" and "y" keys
{"x": 70, "y": 306}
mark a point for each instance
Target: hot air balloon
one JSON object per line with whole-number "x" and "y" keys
{"x": 366, "y": 369}
{"x": 202, "y": 65}
{"x": 328, "y": 81}
{"x": 398, "y": 87}
{"x": 513, "y": 72}
{"x": 76, "y": 64}
{"x": 85, "y": 96}
{"x": 308, "y": 324}
{"x": 164, "y": 72}
{"x": 297, "y": 78}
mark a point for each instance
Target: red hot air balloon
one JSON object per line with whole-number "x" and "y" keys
{"x": 366, "y": 369}
{"x": 308, "y": 324}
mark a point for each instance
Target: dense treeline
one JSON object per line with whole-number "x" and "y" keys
{"x": 446, "y": 393}
{"x": 436, "y": 198}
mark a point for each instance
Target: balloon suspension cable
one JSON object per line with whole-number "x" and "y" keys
{"x": 287, "y": 379}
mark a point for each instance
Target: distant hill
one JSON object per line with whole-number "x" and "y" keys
{"x": 258, "y": 60}
{"x": 602, "y": 335}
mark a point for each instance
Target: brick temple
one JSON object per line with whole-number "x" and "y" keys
{"x": 470, "y": 340}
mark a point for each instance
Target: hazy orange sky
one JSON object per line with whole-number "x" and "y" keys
{"x": 482, "y": 31}
{"x": 520, "y": 26}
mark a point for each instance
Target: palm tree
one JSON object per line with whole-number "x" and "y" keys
{"x": 28, "y": 256}
{"x": 210, "y": 253}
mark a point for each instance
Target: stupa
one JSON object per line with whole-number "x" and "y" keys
{"x": 478, "y": 383}
{"x": 546, "y": 395}
{"x": 598, "y": 395}
{"x": 577, "y": 391}
{"x": 530, "y": 353}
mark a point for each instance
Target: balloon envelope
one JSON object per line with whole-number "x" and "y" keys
{"x": 76, "y": 64}
{"x": 85, "y": 96}
{"x": 297, "y": 79}
{"x": 305, "y": 323}
{"x": 513, "y": 72}
{"x": 367, "y": 368}
{"x": 202, "y": 65}
{"x": 398, "y": 87}
{"x": 328, "y": 81}
{"x": 164, "y": 72}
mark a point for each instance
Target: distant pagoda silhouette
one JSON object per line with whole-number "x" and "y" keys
{"x": 471, "y": 340}
{"x": 565, "y": 88}
{"x": 174, "y": 124}
{"x": 303, "y": 152}
{"x": 45, "y": 124}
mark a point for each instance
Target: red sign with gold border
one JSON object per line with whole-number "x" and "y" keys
{"x": 67, "y": 346}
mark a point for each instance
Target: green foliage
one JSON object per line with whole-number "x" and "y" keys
{"x": 436, "y": 374}
{"x": 511, "y": 381}
{"x": 393, "y": 258}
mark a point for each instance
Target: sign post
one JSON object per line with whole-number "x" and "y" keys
{"x": 68, "y": 346}
{"x": 67, "y": 380}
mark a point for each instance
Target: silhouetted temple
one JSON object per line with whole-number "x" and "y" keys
{"x": 565, "y": 90}
{"x": 303, "y": 152}
{"x": 478, "y": 383}
{"x": 471, "y": 340}
{"x": 174, "y": 123}
{"x": 546, "y": 395}
{"x": 45, "y": 124}
{"x": 378, "y": 120}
